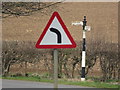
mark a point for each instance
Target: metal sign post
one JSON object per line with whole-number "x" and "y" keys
{"x": 85, "y": 28}
{"x": 83, "y": 50}
{"x": 55, "y": 68}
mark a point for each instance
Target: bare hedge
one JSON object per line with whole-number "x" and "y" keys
{"x": 69, "y": 59}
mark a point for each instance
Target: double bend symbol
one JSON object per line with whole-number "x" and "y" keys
{"x": 58, "y": 34}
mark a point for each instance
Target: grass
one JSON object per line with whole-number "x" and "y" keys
{"x": 91, "y": 84}
{"x": 66, "y": 82}
{"x": 36, "y": 79}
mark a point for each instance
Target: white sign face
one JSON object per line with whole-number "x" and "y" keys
{"x": 51, "y": 38}
{"x": 55, "y": 35}
{"x": 87, "y": 28}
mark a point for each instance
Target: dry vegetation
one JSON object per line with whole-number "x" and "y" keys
{"x": 17, "y": 56}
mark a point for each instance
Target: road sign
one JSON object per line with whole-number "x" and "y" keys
{"x": 55, "y": 34}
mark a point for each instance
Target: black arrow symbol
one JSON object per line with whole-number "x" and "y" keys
{"x": 58, "y": 34}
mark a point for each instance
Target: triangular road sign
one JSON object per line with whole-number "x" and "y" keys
{"x": 55, "y": 34}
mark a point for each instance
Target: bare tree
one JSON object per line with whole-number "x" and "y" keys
{"x": 26, "y": 8}
{"x": 17, "y": 52}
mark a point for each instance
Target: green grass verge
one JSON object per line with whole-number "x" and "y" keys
{"x": 88, "y": 84}
{"x": 36, "y": 79}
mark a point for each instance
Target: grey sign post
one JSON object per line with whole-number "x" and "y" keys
{"x": 55, "y": 68}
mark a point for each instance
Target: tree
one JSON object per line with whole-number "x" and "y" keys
{"x": 17, "y": 52}
{"x": 26, "y": 8}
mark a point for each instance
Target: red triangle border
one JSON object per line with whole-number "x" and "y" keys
{"x": 55, "y": 14}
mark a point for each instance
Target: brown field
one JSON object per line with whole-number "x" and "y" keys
{"x": 102, "y": 17}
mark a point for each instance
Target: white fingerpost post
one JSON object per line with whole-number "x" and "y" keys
{"x": 83, "y": 50}
{"x": 55, "y": 68}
